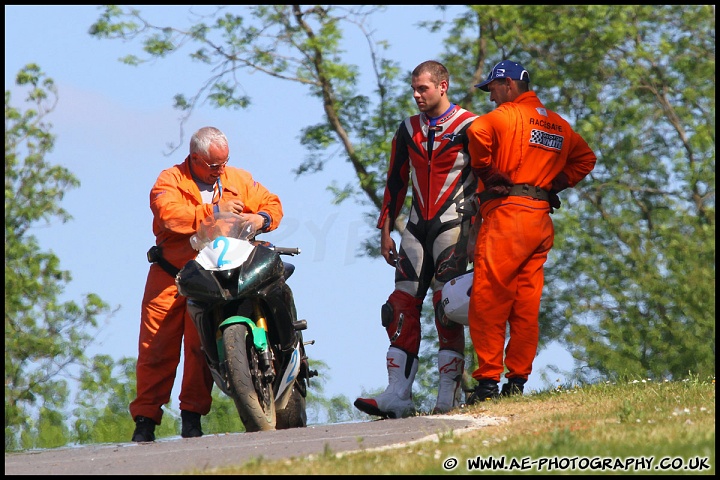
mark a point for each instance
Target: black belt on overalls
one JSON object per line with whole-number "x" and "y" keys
{"x": 154, "y": 255}
{"x": 521, "y": 190}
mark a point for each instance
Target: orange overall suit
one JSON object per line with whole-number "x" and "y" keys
{"x": 178, "y": 210}
{"x": 531, "y": 145}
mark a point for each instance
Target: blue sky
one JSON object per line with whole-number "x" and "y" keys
{"x": 114, "y": 123}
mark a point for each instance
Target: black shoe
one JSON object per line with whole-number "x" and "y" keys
{"x": 190, "y": 424}
{"x": 144, "y": 430}
{"x": 484, "y": 390}
{"x": 514, "y": 386}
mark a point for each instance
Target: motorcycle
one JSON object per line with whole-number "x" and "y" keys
{"x": 245, "y": 314}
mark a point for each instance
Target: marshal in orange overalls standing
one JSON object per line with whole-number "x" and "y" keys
{"x": 523, "y": 154}
{"x": 181, "y": 198}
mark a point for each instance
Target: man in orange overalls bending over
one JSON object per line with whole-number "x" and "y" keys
{"x": 181, "y": 198}
{"x": 523, "y": 154}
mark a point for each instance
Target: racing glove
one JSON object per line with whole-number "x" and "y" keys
{"x": 554, "y": 201}
{"x": 559, "y": 183}
{"x": 495, "y": 181}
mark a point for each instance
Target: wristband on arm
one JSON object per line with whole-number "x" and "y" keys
{"x": 267, "y": 220}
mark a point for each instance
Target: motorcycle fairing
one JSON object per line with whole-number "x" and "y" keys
{"x": 280, "y": 305}
{"x": 289, "y": 376}
{"x": 261, "y": 266}
{"x": 224, "y": 253}
{"x": 200, "y": 284}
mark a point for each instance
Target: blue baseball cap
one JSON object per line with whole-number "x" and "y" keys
{"x": 505, "y": 69}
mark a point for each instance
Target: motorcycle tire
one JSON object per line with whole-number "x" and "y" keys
{"x": 253, "y": 396}
{"x": 294, "y": 415}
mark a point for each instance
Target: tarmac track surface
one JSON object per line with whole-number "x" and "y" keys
{"x": 177, "y": 455}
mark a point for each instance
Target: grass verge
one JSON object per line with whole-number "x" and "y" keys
{"x": 626, "y": 427}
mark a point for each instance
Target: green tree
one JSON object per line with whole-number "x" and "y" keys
{"x": 645, "y": 300}
{"x": 105, "y": 390}
{"x": 44, "y": 337}
{"x": 630, "y": 282}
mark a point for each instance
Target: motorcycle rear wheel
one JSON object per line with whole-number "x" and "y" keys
{"x": 294, "y": 414}
{"x": 253, "y": 396}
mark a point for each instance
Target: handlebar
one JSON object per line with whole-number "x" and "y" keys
{"x": 292, "y": 251}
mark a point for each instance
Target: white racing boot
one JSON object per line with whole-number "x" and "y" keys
{"x": 396, "y": 401}
{"x": 450, "y": 366}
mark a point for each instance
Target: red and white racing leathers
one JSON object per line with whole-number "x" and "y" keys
{"x": 433, "y": 152}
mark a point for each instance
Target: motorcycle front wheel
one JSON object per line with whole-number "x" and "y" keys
{"x": 253, "y": 396}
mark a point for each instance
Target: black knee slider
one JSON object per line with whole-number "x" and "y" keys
{"x": 386, "y": 314}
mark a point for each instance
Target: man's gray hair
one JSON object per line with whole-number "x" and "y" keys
{"x": 202, "y": 139}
